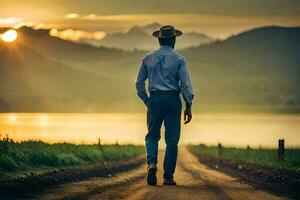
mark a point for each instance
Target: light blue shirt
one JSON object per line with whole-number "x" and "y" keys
{"x": 166, "y": 70}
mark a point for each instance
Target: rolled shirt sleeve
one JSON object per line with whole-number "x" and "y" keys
{"x": 185, "y": 83}
{"x": 140, "y": 83}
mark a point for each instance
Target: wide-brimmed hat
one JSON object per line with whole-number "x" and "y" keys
{"x": 167, "y": 32}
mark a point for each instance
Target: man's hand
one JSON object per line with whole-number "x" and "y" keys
{"x": 187, "y": 115}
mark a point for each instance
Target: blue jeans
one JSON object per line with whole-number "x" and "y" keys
{"x": 164, "y": 107}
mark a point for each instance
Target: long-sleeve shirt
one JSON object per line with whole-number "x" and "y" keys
{"x": 166, "y": 70}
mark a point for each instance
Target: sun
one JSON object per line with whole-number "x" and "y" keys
{"x": 9, "y": 36}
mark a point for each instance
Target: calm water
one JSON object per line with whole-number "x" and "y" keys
{"x": 229, "y": 129}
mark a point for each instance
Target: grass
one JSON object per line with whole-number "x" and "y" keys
{"x": 23, "y": 158}
{"x": 261, "y": 157}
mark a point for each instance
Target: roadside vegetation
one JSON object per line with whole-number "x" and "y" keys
{"x": 18, "y": 159}
{"x": 260, "y": 156}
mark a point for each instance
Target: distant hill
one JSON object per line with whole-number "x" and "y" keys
{"x": 140, "y": 37}
{"x": 249, "y": 71}
{"x": 31, "y": 82}
{"x": 256, "y": 67}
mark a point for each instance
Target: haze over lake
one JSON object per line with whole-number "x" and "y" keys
{"x": 229, "y": 129}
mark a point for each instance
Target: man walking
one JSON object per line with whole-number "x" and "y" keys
{"x": 167, "y": 73}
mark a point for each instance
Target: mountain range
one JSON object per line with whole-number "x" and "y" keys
{"x": 254, "y": 69}
{"x": 140, "y": 37}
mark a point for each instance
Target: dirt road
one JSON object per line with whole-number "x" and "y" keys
{"x": 195, "y": 181}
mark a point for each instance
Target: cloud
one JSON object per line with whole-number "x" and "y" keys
{"x": 72, "y": 16}
{"x": 17, "y": 22}
{"x": 91, "y": 16}
{"x": 14, "y": 22}
{"x": 75, "y": 35}
{"x": 10, "y": 20}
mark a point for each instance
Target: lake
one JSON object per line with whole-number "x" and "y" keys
{"x": 229, "y": 129}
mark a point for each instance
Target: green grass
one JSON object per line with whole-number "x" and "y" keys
{"x": 262, "y": 157}
{"x": 23, "y": 158}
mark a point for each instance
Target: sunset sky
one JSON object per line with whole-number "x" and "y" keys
{"x": 218, "y": 18}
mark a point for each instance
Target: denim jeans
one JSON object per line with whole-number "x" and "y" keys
{"x": 164, "y": 107}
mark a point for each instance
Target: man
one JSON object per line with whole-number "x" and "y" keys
{"x": 167, "y": 73}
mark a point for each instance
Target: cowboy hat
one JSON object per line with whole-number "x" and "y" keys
{"x": 167, "y": 32}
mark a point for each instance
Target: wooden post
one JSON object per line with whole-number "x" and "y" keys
{"x": 219, "y": 151}
{"x": 281, "y": 149}
{"x": 248, "y": 151}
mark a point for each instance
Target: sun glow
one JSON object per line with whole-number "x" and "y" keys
{"x": 12, "y": 118}
{"x": 9, "y": 36}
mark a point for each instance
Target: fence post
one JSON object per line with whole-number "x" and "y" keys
{"x": 219, "y": 151}
{"x": 248, "y": 150}
{"x": 281, "y": 149}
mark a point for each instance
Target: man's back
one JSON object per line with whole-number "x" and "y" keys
{"x": 166, "y": 70}
{"x": 162, "y": 67}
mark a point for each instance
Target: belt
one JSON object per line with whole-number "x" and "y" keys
{"x": 164, "y": 92}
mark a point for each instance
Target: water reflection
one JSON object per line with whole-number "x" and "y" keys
{"x": 229, "y": 129}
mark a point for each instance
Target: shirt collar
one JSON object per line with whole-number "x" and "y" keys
{"x": 163, "y": 47}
